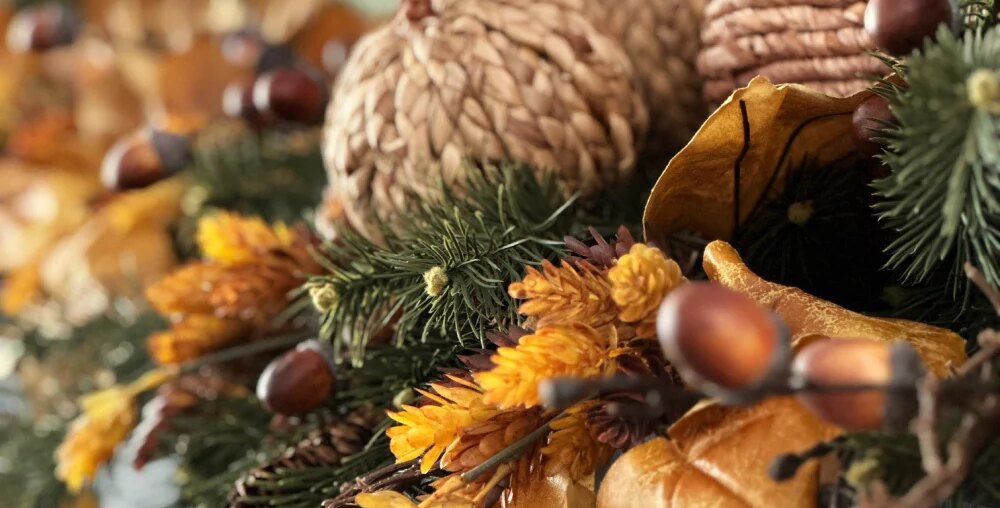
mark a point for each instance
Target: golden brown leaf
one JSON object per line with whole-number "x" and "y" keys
{"x": 784, "y": 125}
{"x": 807, "y": 315}
{"x": 718, "y": 457}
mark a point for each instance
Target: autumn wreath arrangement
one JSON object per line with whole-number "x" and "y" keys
{"x": 520, "y": 253}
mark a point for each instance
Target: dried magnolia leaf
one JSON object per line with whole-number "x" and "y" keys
{"x": 718, "y": 457}
{"x": 807, "y": 315}
{"x": 763, "y": 130}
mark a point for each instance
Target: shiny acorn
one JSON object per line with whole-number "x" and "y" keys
{"x": 870, "y": 117}
{"x": 721, "y": 341}
{"x": 833, "y": 362}
{"x": 143, "y": 158}
{"x": 298, "y": 381}
{"x": 897, "y": 27}
{"x": 41, "y": 28}
{"x": 291, "y": 95}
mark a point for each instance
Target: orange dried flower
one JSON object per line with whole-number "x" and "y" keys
{"x": 571, "y": 293}
{"x": 551, "y": 351}
{"x": 571, "y": 447}
{"x": 639, "y": 282}
{"x": 108, "y": 417}
{"x": 194, "y": 336}
{"x": 229, "y": 238}
{"x": 430, "y": 429}
{"x": 482, "y": 440}
{"x": 244, "y": 285}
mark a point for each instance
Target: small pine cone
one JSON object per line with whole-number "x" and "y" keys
{"x": 661, "y": 37}
{"x": 639, "y": 282}
{"x": 819, "y": 44}
{"x": 343, "y": 437}
{"x": 445, "y": 81}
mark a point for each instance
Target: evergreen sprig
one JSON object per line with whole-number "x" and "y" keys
{"x": 445, "y": 268}
{"x": 940, "y": 200}
{"x": 275, "y": 174}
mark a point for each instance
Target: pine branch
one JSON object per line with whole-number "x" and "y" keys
{"x": 275, "y": 174}
{"x": 940, "y": 199}
{"x": 444, "y": 271}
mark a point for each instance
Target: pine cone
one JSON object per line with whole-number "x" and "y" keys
{"x": 324, "y": 447}
{"x": 486, "y": 80}
{"x": 821, "y": 44}
{"x": 661, "y": 37}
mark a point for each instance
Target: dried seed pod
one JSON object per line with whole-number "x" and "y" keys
{"x": 870, "y": 117}
{"x": 532, "y": 81}
{"x": 298, "y": 381}
{"x": 719, "y": 340}
{"x": 845, "y": 362}
{"x": 291, "y": 95}
{"x": 144, "y": 158}
{"x": 822, "y": 45}
{"x": 900, "y": 26}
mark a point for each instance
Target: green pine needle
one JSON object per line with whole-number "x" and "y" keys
{"x": 445, "y": 269}
{"x": 940, "y": 200}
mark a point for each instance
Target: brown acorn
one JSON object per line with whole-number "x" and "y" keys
{"x": 42, "y": 28}
{"x": 718, "y": 339}
{"x": 291, "y": 95}
{"x": 845, "y": 362}
{"x": 298, "y": 381}
{"x": 900, "y": 26}
{"x": 870, "y": 117}
{"x": 143, "y": 158}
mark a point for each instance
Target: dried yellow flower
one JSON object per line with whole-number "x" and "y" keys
{"x": 571, "y": 447}
{"x": 229, "y": 238}
{"x": 639, "y": 282}
{"x": 108, "y": 417}
{"x": 430, "y": 429}
{"x": 251, "y": 270}
{"x": 551, "y": 351}
{"x": 571, "y": 293}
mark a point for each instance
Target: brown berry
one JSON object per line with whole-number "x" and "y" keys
{"x": 42, "y": 28}
{"x": 870, "y": 118}
{"x": 291, "y": 95}
{"x": 899, "y": 26}
{"x": 714, "y": 334}
{"x": 845, "y": 362}
{"x": 143, "y": 158}
{"x": 298, "y": 381}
